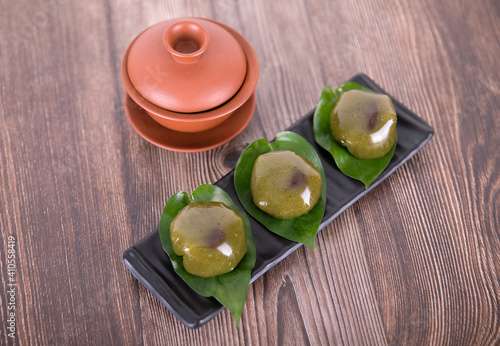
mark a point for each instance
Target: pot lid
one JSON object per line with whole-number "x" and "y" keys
{"x": 186, "y": 65}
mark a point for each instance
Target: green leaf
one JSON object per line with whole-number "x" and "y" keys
{"x": 229, "y": 289}
{"x": 302, "y": 229}
{"x": 365, "y": 171}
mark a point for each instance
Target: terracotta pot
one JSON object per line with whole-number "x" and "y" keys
{"x": 190, "y": 74}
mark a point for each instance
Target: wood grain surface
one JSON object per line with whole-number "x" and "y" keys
{"x": 416, "y": 261}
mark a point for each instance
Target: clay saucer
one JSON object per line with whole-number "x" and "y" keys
{"x": 172, "y": 140}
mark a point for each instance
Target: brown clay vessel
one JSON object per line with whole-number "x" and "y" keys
{"x": 190, "y": 74}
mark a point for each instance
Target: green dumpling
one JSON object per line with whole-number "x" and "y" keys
{"x": 210, "y": 237}
{"x": 284, "y": 184}
{"x": 365, "y": 123}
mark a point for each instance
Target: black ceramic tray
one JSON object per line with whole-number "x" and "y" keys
{"x": 151, "y": 266}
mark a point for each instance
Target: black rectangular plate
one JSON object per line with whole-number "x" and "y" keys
{"x": 151, "y": 266}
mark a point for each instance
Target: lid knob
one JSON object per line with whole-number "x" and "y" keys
{"x": 186, "y": 41}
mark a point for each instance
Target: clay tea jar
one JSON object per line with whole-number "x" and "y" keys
{"x": 190, "y": 74}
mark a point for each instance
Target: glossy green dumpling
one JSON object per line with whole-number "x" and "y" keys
{"x": 284, "y": 184}
{"x": 210, "y": 237}
{"x": 365, "y": 123}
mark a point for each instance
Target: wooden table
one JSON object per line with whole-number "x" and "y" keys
{"x": 415, "y": 261}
